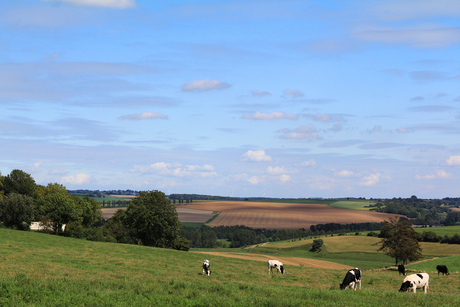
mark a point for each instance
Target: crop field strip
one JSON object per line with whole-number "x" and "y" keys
{"x": 271, "y": 215}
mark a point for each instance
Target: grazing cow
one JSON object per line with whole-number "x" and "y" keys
{"x": 442, "y": 269}
{"x": 206, "y": 266}
{"x": 402, "y": 269}
{"x": 275, "y": 264}
{"x": 352, "y": 277}
{"x": 415, "y": 281}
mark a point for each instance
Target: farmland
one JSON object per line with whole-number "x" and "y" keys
{"x": 45, "y": 270}
{"x": 274, "y": 215}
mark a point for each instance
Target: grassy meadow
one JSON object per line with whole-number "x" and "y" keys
{"x": 43, "y": 270}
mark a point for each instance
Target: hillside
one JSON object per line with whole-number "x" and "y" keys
{"x": 45, "y": 270}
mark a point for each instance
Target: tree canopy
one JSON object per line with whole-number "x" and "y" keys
{"x": 399, "y": 241}
{"x": 152, "y": 219}
{"x": 17, "y": 211}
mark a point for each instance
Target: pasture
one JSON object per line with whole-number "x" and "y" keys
{"x": 274, "y": 215}
{"x": 44, "y": 270}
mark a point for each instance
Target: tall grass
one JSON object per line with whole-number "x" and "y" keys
{"x": 43, "y": 270}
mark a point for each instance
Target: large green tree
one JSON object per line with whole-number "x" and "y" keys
{"x": 19, "y": 182}
{"x": 17, "y": 211}
{"x": 152, "y": 220}
{"x": 399, "y": 241}
{"x": 57, "y": 209}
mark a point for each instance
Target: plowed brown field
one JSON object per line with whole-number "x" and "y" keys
{"x": 284, "y": 215}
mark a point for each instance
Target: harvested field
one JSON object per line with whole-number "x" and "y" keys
{"x": 109, "y": 212}
{"x": 312, "y": 263}
{"x": 185, "y": 214}
{"x": 284, "y": 215}
{"x": 194, "y": 215}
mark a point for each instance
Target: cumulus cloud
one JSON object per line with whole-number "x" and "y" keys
{"x": 276, "y": 170}
{"x": 453, "y": 160}
{"x": 270, "y": 116}
{"x": 176, "y": 169}
{"x": 402, "y": 130}
{"x": 293, "y": 93}
{"x": 370, "y": 180}
{"x": 260, "y": 94}
{"x": 344, "y": 173}
{"x": 116, "y": 4}
{"x": 256, "y": 155}
{"x": 309, "y": 163}
{"x": 303, "y": 132}
{"x": 375, "y": 129}
{"x": 77, "y": 179}
{"x": 336, "y": 128}
{"x": 435, "y": 175}
{"x": 201, "y": 85}
{"x": 143, "y": 115}
{"x": 285, "y": 178}
{"x": 255, "y": 180}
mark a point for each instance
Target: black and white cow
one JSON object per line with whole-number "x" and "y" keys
{"x": 402, "y": 269}
{"x": 352, "y": 277}
{"x": 442, "y": 269}
{"x": 275, "y": 264}
{"x": 415, "y": 281}
{"x": 206, "y": 266}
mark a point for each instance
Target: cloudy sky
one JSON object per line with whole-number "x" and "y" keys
{"x": 243, "y": 98}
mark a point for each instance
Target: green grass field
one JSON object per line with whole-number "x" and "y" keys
{"x": 441, "y": 231}
{"x": 44, "y": 270}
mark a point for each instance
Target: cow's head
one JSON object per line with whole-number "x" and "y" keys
{"x": 282, "y": 269}
{"x": 406, "y": 286}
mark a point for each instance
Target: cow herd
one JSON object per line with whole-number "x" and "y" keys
{"x": 353, "y": 276}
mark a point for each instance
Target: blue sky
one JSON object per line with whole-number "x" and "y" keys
{"x": 242, "y": 98}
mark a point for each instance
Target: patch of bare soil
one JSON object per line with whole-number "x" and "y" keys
{"x": 284, "y": 215}
{"x": 312, "y": 263}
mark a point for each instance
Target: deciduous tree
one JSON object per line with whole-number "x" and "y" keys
{"x": 399, "y": 241}
{"x": 17, "y": 211}
{"x": 152, "y": 219}
{"x": 19, "y": 182}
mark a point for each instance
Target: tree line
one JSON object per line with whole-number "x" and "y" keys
{"x": 419, "y": 211}
{"x": 238, "y": 236}
{"x": 148, "y": 220}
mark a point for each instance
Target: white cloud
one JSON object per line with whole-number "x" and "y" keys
{"x": 302, "y": 132}
{"x": 143, "y": 115}
{"x": 375, "y": 129}
{"x": 260, "y": 94}
{"x": 309, "y": 163}
{"x": 176, "y": 169}
{"x": 370, "y": 180}
{"x": 344, "y": 173}
{"x": 293, "y": 93}
{"x": 276, "y": 170}
{"x": 453, "y": 160}
{"x": 437, "y": 174}
{"x": 336, "y": 128}
{"x": 77, "y": 179}
{"x": 402, "y": 130}
{"x": 255, "y": 180}
{"x": 285, "y": 178}
{"x": 270, "y": 116}
{"x": 204, "y": 85}
{"x": 257, "y": 155}
{"x": 117, "y": 4}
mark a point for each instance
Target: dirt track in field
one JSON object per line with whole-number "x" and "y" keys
{"x": 284, "y": 215}
{"x": 312, "y": 263}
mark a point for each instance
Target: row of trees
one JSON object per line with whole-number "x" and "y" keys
{"x": 148, "y": 220}
{"x": 23, "y": 201}
{"x": 420, "y": 211}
